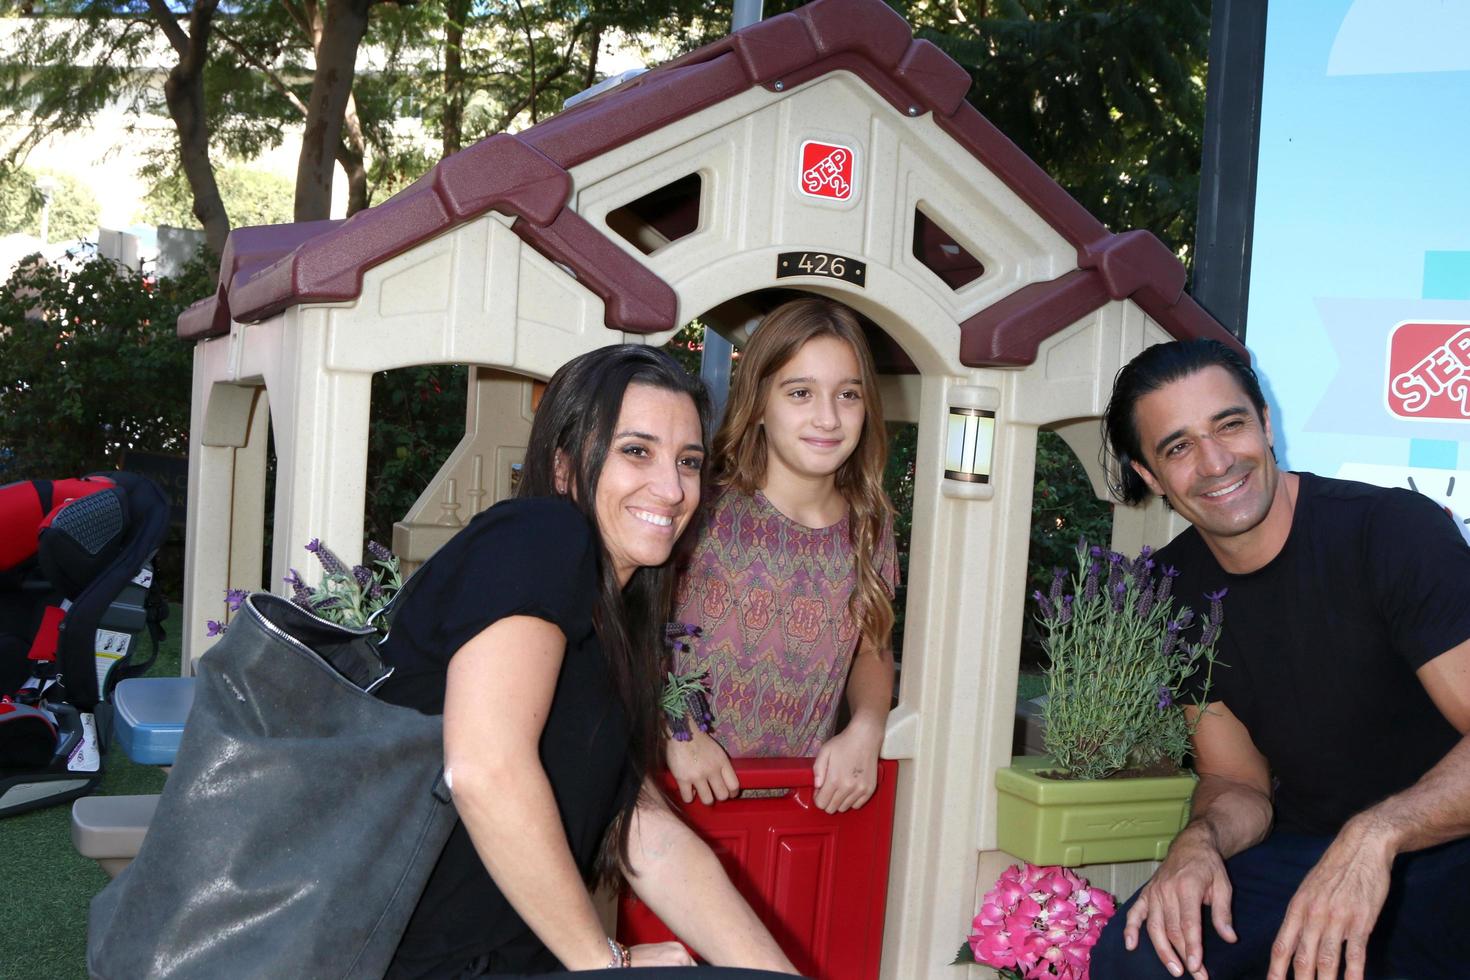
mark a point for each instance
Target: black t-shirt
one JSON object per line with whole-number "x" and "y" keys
{"x": 1319, "y": 647}
{"x": 534, "y": 557}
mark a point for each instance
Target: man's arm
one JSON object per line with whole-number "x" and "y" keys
{"x": 1231, "y": 811}
{"x": 1338, "y": 902}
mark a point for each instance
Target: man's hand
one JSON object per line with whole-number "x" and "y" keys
{"x": 1335, "y": 906}
{"x": 701, "y": 766}
{"x": 845, "y": 772}
{"x": 1192, "y": 875}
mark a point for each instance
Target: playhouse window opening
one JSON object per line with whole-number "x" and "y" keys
{"x": 661, "y": 216}
{"x": 939, "y": 252}
{"x": 1064, "y": 507}
{"x": 416, "y": 419}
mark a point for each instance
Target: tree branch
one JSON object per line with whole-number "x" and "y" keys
{"x": 169, "y": 24}
{"x": 271, "y": 75}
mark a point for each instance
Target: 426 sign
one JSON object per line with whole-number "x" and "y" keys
{"x": 824, "y": 264}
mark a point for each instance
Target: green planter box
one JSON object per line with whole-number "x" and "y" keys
{"x": 1082, "y": 821}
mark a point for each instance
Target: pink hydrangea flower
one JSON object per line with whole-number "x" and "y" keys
{"x": 1040, "y": 923}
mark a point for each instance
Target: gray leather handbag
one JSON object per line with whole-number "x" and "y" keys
{"x": 299, "y": 824}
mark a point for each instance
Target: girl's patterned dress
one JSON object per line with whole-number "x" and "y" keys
{"x": 772, "y": 598}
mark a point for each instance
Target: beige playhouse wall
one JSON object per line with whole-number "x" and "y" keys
{"x": 477, "y": 295}
{"x": 474, "y": 295}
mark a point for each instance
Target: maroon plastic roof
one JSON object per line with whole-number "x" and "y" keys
{"x": 526, "y": 176}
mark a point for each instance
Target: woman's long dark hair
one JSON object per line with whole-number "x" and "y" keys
{"x": 576, "y": 418}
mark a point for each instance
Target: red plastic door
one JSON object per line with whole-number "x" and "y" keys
{"x": 819, "y": 881}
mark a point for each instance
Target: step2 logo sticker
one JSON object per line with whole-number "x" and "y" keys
{"x": 826, "y": 170}
{"x": 1429, "y": 371}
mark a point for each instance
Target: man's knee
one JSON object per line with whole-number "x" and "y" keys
{"x": 1111, "y": 960}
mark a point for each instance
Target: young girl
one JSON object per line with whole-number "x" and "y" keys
{"x": 792, "y": 578}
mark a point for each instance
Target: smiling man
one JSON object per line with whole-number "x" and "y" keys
{"x": 1327, "y": 833}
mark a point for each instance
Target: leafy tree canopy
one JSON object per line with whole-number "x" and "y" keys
{"x": 74, "y": 208}
{"x": 1106, "y": 95}
{"x": 252, "y": 197}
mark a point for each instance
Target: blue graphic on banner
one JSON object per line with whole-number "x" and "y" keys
{"x": 1362, "y": 222}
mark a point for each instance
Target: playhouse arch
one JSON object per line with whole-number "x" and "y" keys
{"x": 523, "y": 251}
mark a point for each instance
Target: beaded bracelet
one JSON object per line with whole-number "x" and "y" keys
{"x": 621, "y": 958}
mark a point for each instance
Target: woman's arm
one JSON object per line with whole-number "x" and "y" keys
{"x": 846, "y": 769}
{"x": 682, "y": 881}
{"x": 498, "y": 695}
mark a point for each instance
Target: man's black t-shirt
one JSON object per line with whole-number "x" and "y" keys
{"x": 535, "y": 557}
{"x": 1319, "y": 647}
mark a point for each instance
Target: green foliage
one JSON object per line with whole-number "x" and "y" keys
{"x": 74, "y": 208}
{"x": 687, "y": 346}
{"x": 898, "y": 483}
{"x": 252, "y": 197}
{"x": 418, "y": 417}
{"x": 1106, "y": 95}
{"x": 1118, "y": 662}
{"x": 90, "y": 366}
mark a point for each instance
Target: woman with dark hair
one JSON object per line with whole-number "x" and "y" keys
{"x": 537, "y": 632}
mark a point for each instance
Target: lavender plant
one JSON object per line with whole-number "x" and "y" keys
{"x": 1119, "y": 658}
{"x": 685, "y": 697}
{"x": 345, "y": 596}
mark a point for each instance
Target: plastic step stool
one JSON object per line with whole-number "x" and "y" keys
{"x": 149, "y": 715}
{"x": 818, "y": 881}
{"x": 110, "y": 829}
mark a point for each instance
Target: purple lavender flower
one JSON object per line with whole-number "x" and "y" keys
{"x": 1064, "y": 614}
{"x": 378, "y": 552}
{"x": 1212, "y": 622}
{"x": 1058, "y": 576}
{"x": 699, "y": 710}
{"x": 1145, "y": 600}
{"x": 1171, "y": 636}
{"x": 1166, "y": 698}
{"x": 1095, "y": 551}
{"x": 1042, "y": 603}
{"x": 1186, "y": 616}
{"x": 363, "y": 576}
{"x": 300, "y": 594}
{"x": 1089, "y": 587}
{"x": 1166, "y": 584}
{"x": 328, "y": 558}
{"x": 214, "y": 627}
{"x": 233, "y": 598}
{"x": 1209, "y": 634}
{"x": 1119, "y": 596}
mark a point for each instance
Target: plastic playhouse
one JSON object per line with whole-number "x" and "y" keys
{"x": 823, "y": 150}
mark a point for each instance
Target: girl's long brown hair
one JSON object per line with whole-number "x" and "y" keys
{"x": 740, "y": 445}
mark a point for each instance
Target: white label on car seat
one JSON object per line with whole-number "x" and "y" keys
{"x": 112, "y": 646}
{"x": 85, "y": 757}
{"x": 144, "y": 576}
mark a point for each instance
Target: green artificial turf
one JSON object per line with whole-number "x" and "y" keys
{"x": 48, "y": 884}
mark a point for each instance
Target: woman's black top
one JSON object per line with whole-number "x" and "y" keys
{"x": 533, "y": 557}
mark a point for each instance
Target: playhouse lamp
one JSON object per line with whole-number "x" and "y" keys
{"x": 969, "y": 444}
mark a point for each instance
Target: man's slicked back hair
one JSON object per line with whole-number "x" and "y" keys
{"x": 1160, "y": 365}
